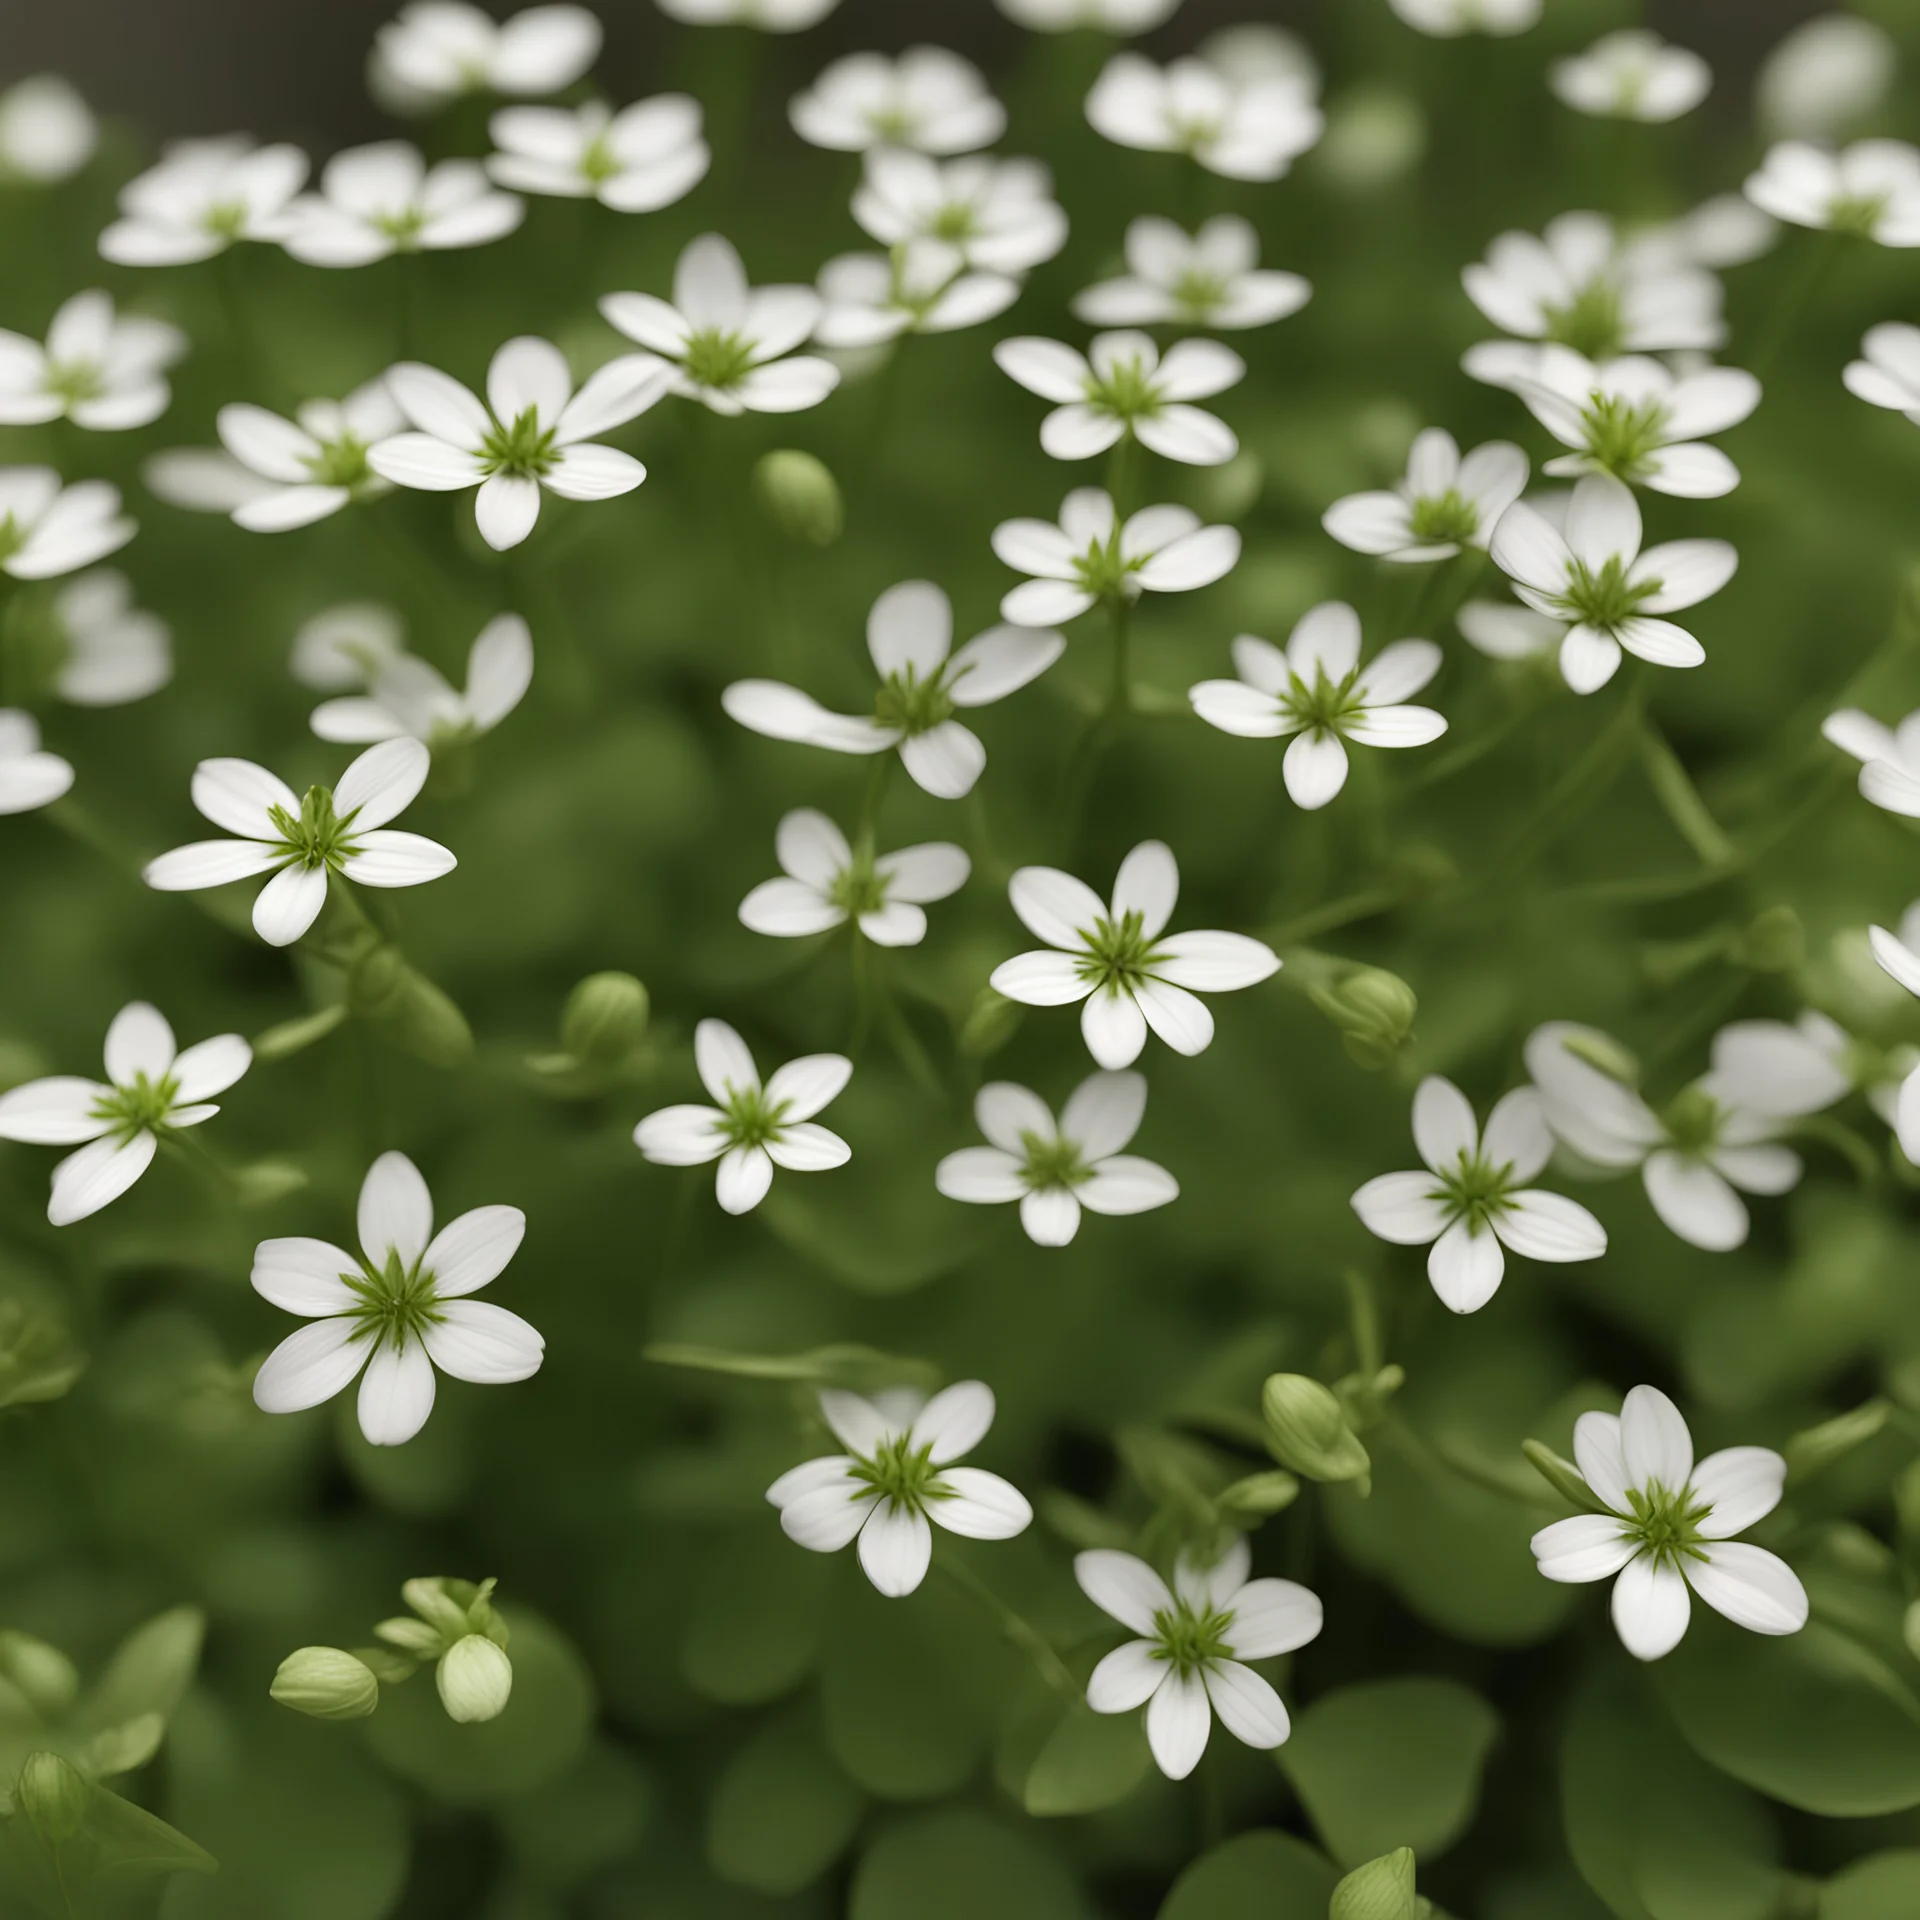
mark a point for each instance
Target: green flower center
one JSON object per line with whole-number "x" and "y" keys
{"x": 912, "y": 704}
{"x": 75, "y": 380}
{"x": 858, "y": 887}
{"x": 956, "y": 222}
{"x": 1667, "y": 1525}
{"x": 1623, "y": 435}
{"x": 139, "y": 1108}
{"x": 1327, "y": 706}
{"x": 402, "y": 228}
{"x": 1857, "y": 213}
{"x": 1590, "y": 323}
{"x": 524, "y": 450}
{"x": 1105, "y": 571}
{"x": 1606, "y": 599}
{"x": 717, "y": 359}
{"x": 599, "y": 162}
{"x": 1197, "y": 294}
{"x": 1444, "y": 519}
{"x": 1126, "y": 390}
{"x": 749, "y": 1118}
{"x": 13, "y": 536}
{"x": 1474, "y": 1190}
{"x": 316, "y": 837}
{"x": 903, "y": 1474}
{"x": 393, "y": 1304}
{"x": 341, "y": 463}
{"x": 1693, "y": 1121}
{"x": 1189, "y": 1639}
{"x": 1052, "y": 1163}
{"x": 227, "y": 221}
{"x": 1118, "y": 954}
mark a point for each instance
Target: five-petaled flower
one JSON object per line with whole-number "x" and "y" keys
{"x": 1211, "y": 278}
{"x": 1445, "y": 503}
{"x": 202, "y": 197}
{"x": 997, "y": 214}
{"x": 1871, "y": 189}
{"x": 1632, "y": 75}
{"x": 384, "y": 199}
{"x": 405, "y": 695}
{"x": 437, "y": 50}
{"x": 106, "y": 649}
{"x": 924, "y": 286}
{"x": 30, "y": 777}
{"x": 102, "y": 370}
{"x": 47, "y": 528}
{"x": 1245, "y": 126}
{"x": 638, "y": 160}
{"x": 311, "y": 466}
{"x": 825, "y": 882}
{"x": 926, "y": 98}
{"x": 1092, "y": 555}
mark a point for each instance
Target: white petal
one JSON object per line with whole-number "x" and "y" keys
{"x": 240, "y": 797}
{"x": 1601, "y": 1458}
{"x": 1127, "y": 1678}
{"x": 744, "y": 1175}
{"x": 1055, "y": 907}
{"x": 1315, "y": 769}
{"x": 802, "y": 1087}
{"x": 289, "y": 904}
{"x": 475, "y": 1340}
{"x": 1178, "y": 1722}
{"x": 1588, "y": 1546}
{"x": 1695, "y": 1202}
{"x": 684, "y": 1136}
{"x": 811, "y": 848}
{"x": 999, "y": 661}
{"x": 473, "y": 1249}
{"x": 1050, "y": 1216}
{"x": 945, "y": 761}
{"x": 396, "y": 1394}
{"x": 1400, "y": 1207}
{"x": 529, "y": 375}
{"x": 981, "y": 1506}
{"x": 1180, "y": 1019}
{"x": 824, "y": 1519}
{"x": 1752, "y": 1587}
{"x": 505, "y": 509}
{"x": 811, "y": 1476}
{"x": 983, "y": 1176}
{"x": 954, "y": 1421}
{"x": 896, "y": 1546}
{"x": 723, "y": 1062}
{"x": 789, "y": 909}
{"x": 307, "y": 1277}
{"x": 1114, "y": 1027}
{"x": 387, "y": 858}
{"x": 56, "y": 1112}
{"x": 1654, "y": 1441}
{"x": 1214, "y": 962}
{"x": 1122, "y": 1586}
{"x": 785, "y": 713}
{"x": 807, "y": 1148}
{"x": 1005, "y": 1114}
{"x": 1148, "y": 884}
{"x": 138, "y": 1042}
{"x": 309, "y": 1366}
{"x": 1545, "y": 1226}
{"x": 592, "y": 473}
{"x": 210, "y": 1067}
{"x": 382, "y": 782}
{"x": 421, "y": 461}
{"x": 1042, "y": 980}
{"x": 1517, "y": 1136}
{"x": 1124, "y": 1184}
{"x": 1650, "y": 1608}
{"x": 1101, "y": 1115}
{"x": 1740, "y": 1485}
{"x": 932, "y": 871}
{"x": 1248, "y": 1707}
{"x": 395, "y": 1211}
{"x": 97, "y": 1175}
{"x": 1466, "y": 1267}
{"x": 1444, "y": 1127}
{"x": 1272, "y": 1617}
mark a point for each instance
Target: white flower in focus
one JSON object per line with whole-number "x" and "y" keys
{"x": 104, "y": 371}
{"x": 1247, "y": 128}
{"x": 1316, "y": 695}
{"x": 1888, "y": 374}
{"x": 1054, "y": 1168}
{"x": 399, "y": 1310}
{"x": 407, "y": 698}
{"x": 345, "y": 647}
{"x": 384, "y": 199}
{"x": 896, "y": 1475}
{"x": 1503, "y": 631}
{"x": 1669, "y": 1526}
{"x": 532, "y": 431}
{"x": 1824, "y": 76}
{"x": 768, "y": 16}
{"x": 1119, "y": 960}
{"x": 436, "y": 50}
{"x": 202, "y": 197}
{"x": 301, "y": 843}
{"x": 826, "y": 884}
{"x": 1196, "y": 1637}
{"x": 722, "y": 342}
{"x": 925, "y": 286}
{"x": 47, "y": 132}
{"x": 1122, "y": 387}
{"x": 30, "y": 777}
{"x": 1632, "y": 75}
{"x": 112, "y": 651}
{"x": 151, "y": 1089}
{"x": 1444, "y": 503}
{"x": 1103, "y": 16}
{"x": 926, "y": 98}
{"x": 1092, "y": 555}
{"x": 1596, "y": 579}
{"x": 998, "y": 214}
{"x": 294, "y": 472}
{"x": 1474, "y": 1197}
{"x": 754, "y": 1128}
{"x": 638, "y": 160}
{"x": 1871, "y": 189}
{"x": 1448, "y": 19}
{"x": 1211, "y": 278}
{"x": 48, "y": 529}
{"x": 922, "y": 684}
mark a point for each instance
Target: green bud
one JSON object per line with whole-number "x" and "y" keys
{"x": 475, "y": 1679}
{"x": 800, "y": 496}
{"x": 1374, "y": 1011}
{"x": 291, "y": 1036}
{"x": 990, "y": 1025}
{"x": 1774, "y": 941}
{"x": 416, "y": 1637}
{"x": 1817, "y": 1448}
{"x": 1562, "y": 1476}
{"x": 429, "y": 1025}
{"x": 43, "y": 1673}
{"x": 1258, "y": 1496}
{"x": 605, "y": 1019}
{"x": 387, "y": 1665}
{"x": 53, "y": 1795}
{"x": 262, "y": 1182}
{"x": 1307, "y": 1430}
{"x": 326, "y": 1683}
{"x": 377, "y": 981}
{"x": 1381, "y": 1890}
{"x": 429, "y": 1597}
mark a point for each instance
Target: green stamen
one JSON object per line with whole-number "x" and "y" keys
{"x": 1190, "y": 1638}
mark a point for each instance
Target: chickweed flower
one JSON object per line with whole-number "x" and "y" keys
{"x": 1119, "y": 960}
{"x": 344, "y": 648}
{"x": 30, "y": 777}
{"x": 1316, "y": 695}
{"x": 312, "y": 465}
{"x": 47, "y": 528}
{"x": 1871, "y": 189}
{"x": 436, "y": 50}
{"x": 896, "y": 1475}
{"x": 1104, "y": 16}
{"x": 108, "y": 649}
{"x": 1121, "y": 388}
{"x": 398, "y": 1310}
{"x": 1888, "y": 372}
{"x": 826, "y": 883}
{"x": 101, "y": 370}
{"x": 1210, "y": 278}
{"x": 1668, "y": 1527}
{"x": 997, "y": 214}
{"x": 1247, "y": 127}
{"x": 47, "y": 132}
{"x": 638, "y": 160}
{"x": 926, "y": 99}
{"x": 924, "y": 286}
{"x": 755, "y": 1127}
{"x": 1195, "y": 1638}
{"x": 769, "y": 16}
{"x": 533, "y": 431}
{"x": 202, "y": 197}
{"x": 151, "y": 1089}
{"x": 923, "y": 683}
{"x": 302, "y": 842}
{"x": 1448, "y": 19}
{"x": 1443, "y": 504}
{"x": 384, "y": 199}
{"x": 1054, "y": 1168}
{"x": 407, "y": 698}
{"x": 1632, "y": 75}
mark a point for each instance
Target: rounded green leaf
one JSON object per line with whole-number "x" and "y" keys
{"x": 960, "y": 1864}
{"x": 1884, "y": 1886}
{"x": 1255, "y": 1876}
{"x": 758, "y": 1614}
{"x": 1088, "y": 1761}
{"x": 782, "y": 1811}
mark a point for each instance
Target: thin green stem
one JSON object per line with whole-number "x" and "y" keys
{"x": 1028, "y": 1638}
{"x": 1817, "y": 262}
{"x": 1680, "y": 799}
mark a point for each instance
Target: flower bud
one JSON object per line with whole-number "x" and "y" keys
{"x": 326, "y": 1683}
{"x": 428, "y": 1024}
{"x": 605, "y": 1019}
{"x": 1814, "y": 1449}
{"x": 1374, "y": 1011}
{"x": 989, "y": 1026}
{"x": 1562, "y": 1476}
{"x": 475, "y": 1679}
{"x": 430, "y": 1598}
{"x": 53, "y": 1795}
{"x": 43, "y": 1673}
{"x": 800, "y": 496}
{"x": 377, "y": 980}
{"x": 1258, "y": 1497}
{"x": 292, "y": 1036}
{"x": 1307, "y": 1431}
{"x": 1381, "y": 1890}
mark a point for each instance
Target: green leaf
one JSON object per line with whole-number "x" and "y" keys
{"x": 1088, "y": 1761}
{"x": 149, "y": 1673}
{"x": 128, "y": 1840}
{"x": 783, "y": 1811}
{"x": 579, "y": 1824}
{"x": 758, "y": 1615}
{"x": 856, "y": 1368}
{"x": 1255, "y": 1876}
{"x": 960, "y": 1864}
{"x": 1884, "y": 1886}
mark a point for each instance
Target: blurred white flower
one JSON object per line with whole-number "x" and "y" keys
{"x": 1447, "y": 19}
{"x": 1503, "y": 631}
{"x": 1247, "y": 128}
{"x": 769, "y": 16}
{"x": 47, "y": 528}
{"x": 922, "y": 287}
{"x": 30, "y": 777}
{"x": 638, "y": 160}
{"x": 1122, "y": 387}
{"x": 825, "y": 883}
{"x": 1104, "y": 16}
{"x": 151, "y": 1089}
{"x": 346, "y": 646}
{"x": 926, "y": 98}
{"x": 754, "y": 1128}
{"x": 1119, "y": 959}
{"x": 47, "y": 132}
{"x": 301, "y": 470}
{"x": 1055, "y": 1168}
{"x": 922, "y": 684}
{"x": 1196, "y": 1637}
{"x": 303, "y": 842}
{"x": 1669, "y": 1526}
{"x": 1888, "y": 374}
{"x": 1211, "y": 278}
{"x": 202, "y": 197}
{"x": 1726, "y": 230}
{"x": 1317, "y": 692}
{"x": 1899, "y": 962}
{"x": 1824, "y": 76}
{"x": 1889, "y": 757}
{"x": 102, "y": 370}
{"x": 1871, "y": 189}
{"x": 384, "y": 199}
{"x": 896, "y": 1475}
{"x": 532, "y": 431}
{"x": 1632, "y": 75}
{"x": 112, "y": 650}
{"x": 399, "y": 1309}
{"x": 998, "y": 214}
{"x": 1444, "y": 503}
{"x": 436, "y": 50}
{"x": 407, "y": 698}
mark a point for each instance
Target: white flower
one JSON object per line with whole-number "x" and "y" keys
{"x": 896, "y": 1475}
{"x": 1717, "y": 1134}
{"x": 1119, "y": 961}
{"x": 407, "y": 698}
{"x": 202, "y": 197}
{"x": 1725, "y": 231}
{"x": 926, "y": 98}
{"x": 533, "y": 431}
{"x": 1595, "y": 578}
{"x": 437, "y": 50}
{"x": 202, "y": 480}
{"x": 1669, "y": 1526}
{"x": 399, "y": 1310}
{"x": 1121, "y": 387}
{"x": 48, "y": 529}
{"x": 722, "y": 342}
{"x": 1889, "y": 375}
{"x": 47, "y": 132}
{"x": 384, "y": 199}
{"x": 297, "y": 471}
{"x": 1444, "y": 503}
{"x": 638, "y": 160}
{"x": 102, "y": 371}
{"x": 30, "y": 777}
{"x": 151, "y": 1089}
{"x": 112, "y": 650}
{"x": 999, "y": 214}
{"x": 1092, "y": 556}
{"x": 346, "y": 647}
{"x": 1189, "y": 1662}
{"x": 1889, "y": 757}
{"x": 1633, "y": 75}
{"x": 1317, "y": 692}
{"x": 1055, "y": 1168}
{"x": 1250, "y": 127}
{"x": 1211, "y": 278}
{"x": 922, "y": 287}
{"x": 922, "y": 682}
{"x": 769, "y": 16}
{"x": 1503, "y": 631}
{"x": 827, "y": 883}
{"x": 1871, "y": 188}
{"x": 1104, "y": 16}
{"x": 1826, "y": 75}
{"x": 1474, "y": 1197}
{"x": 301, "y": 842}
{"x": 1447, "y": 19}
{"x": 755, "y": 1128}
